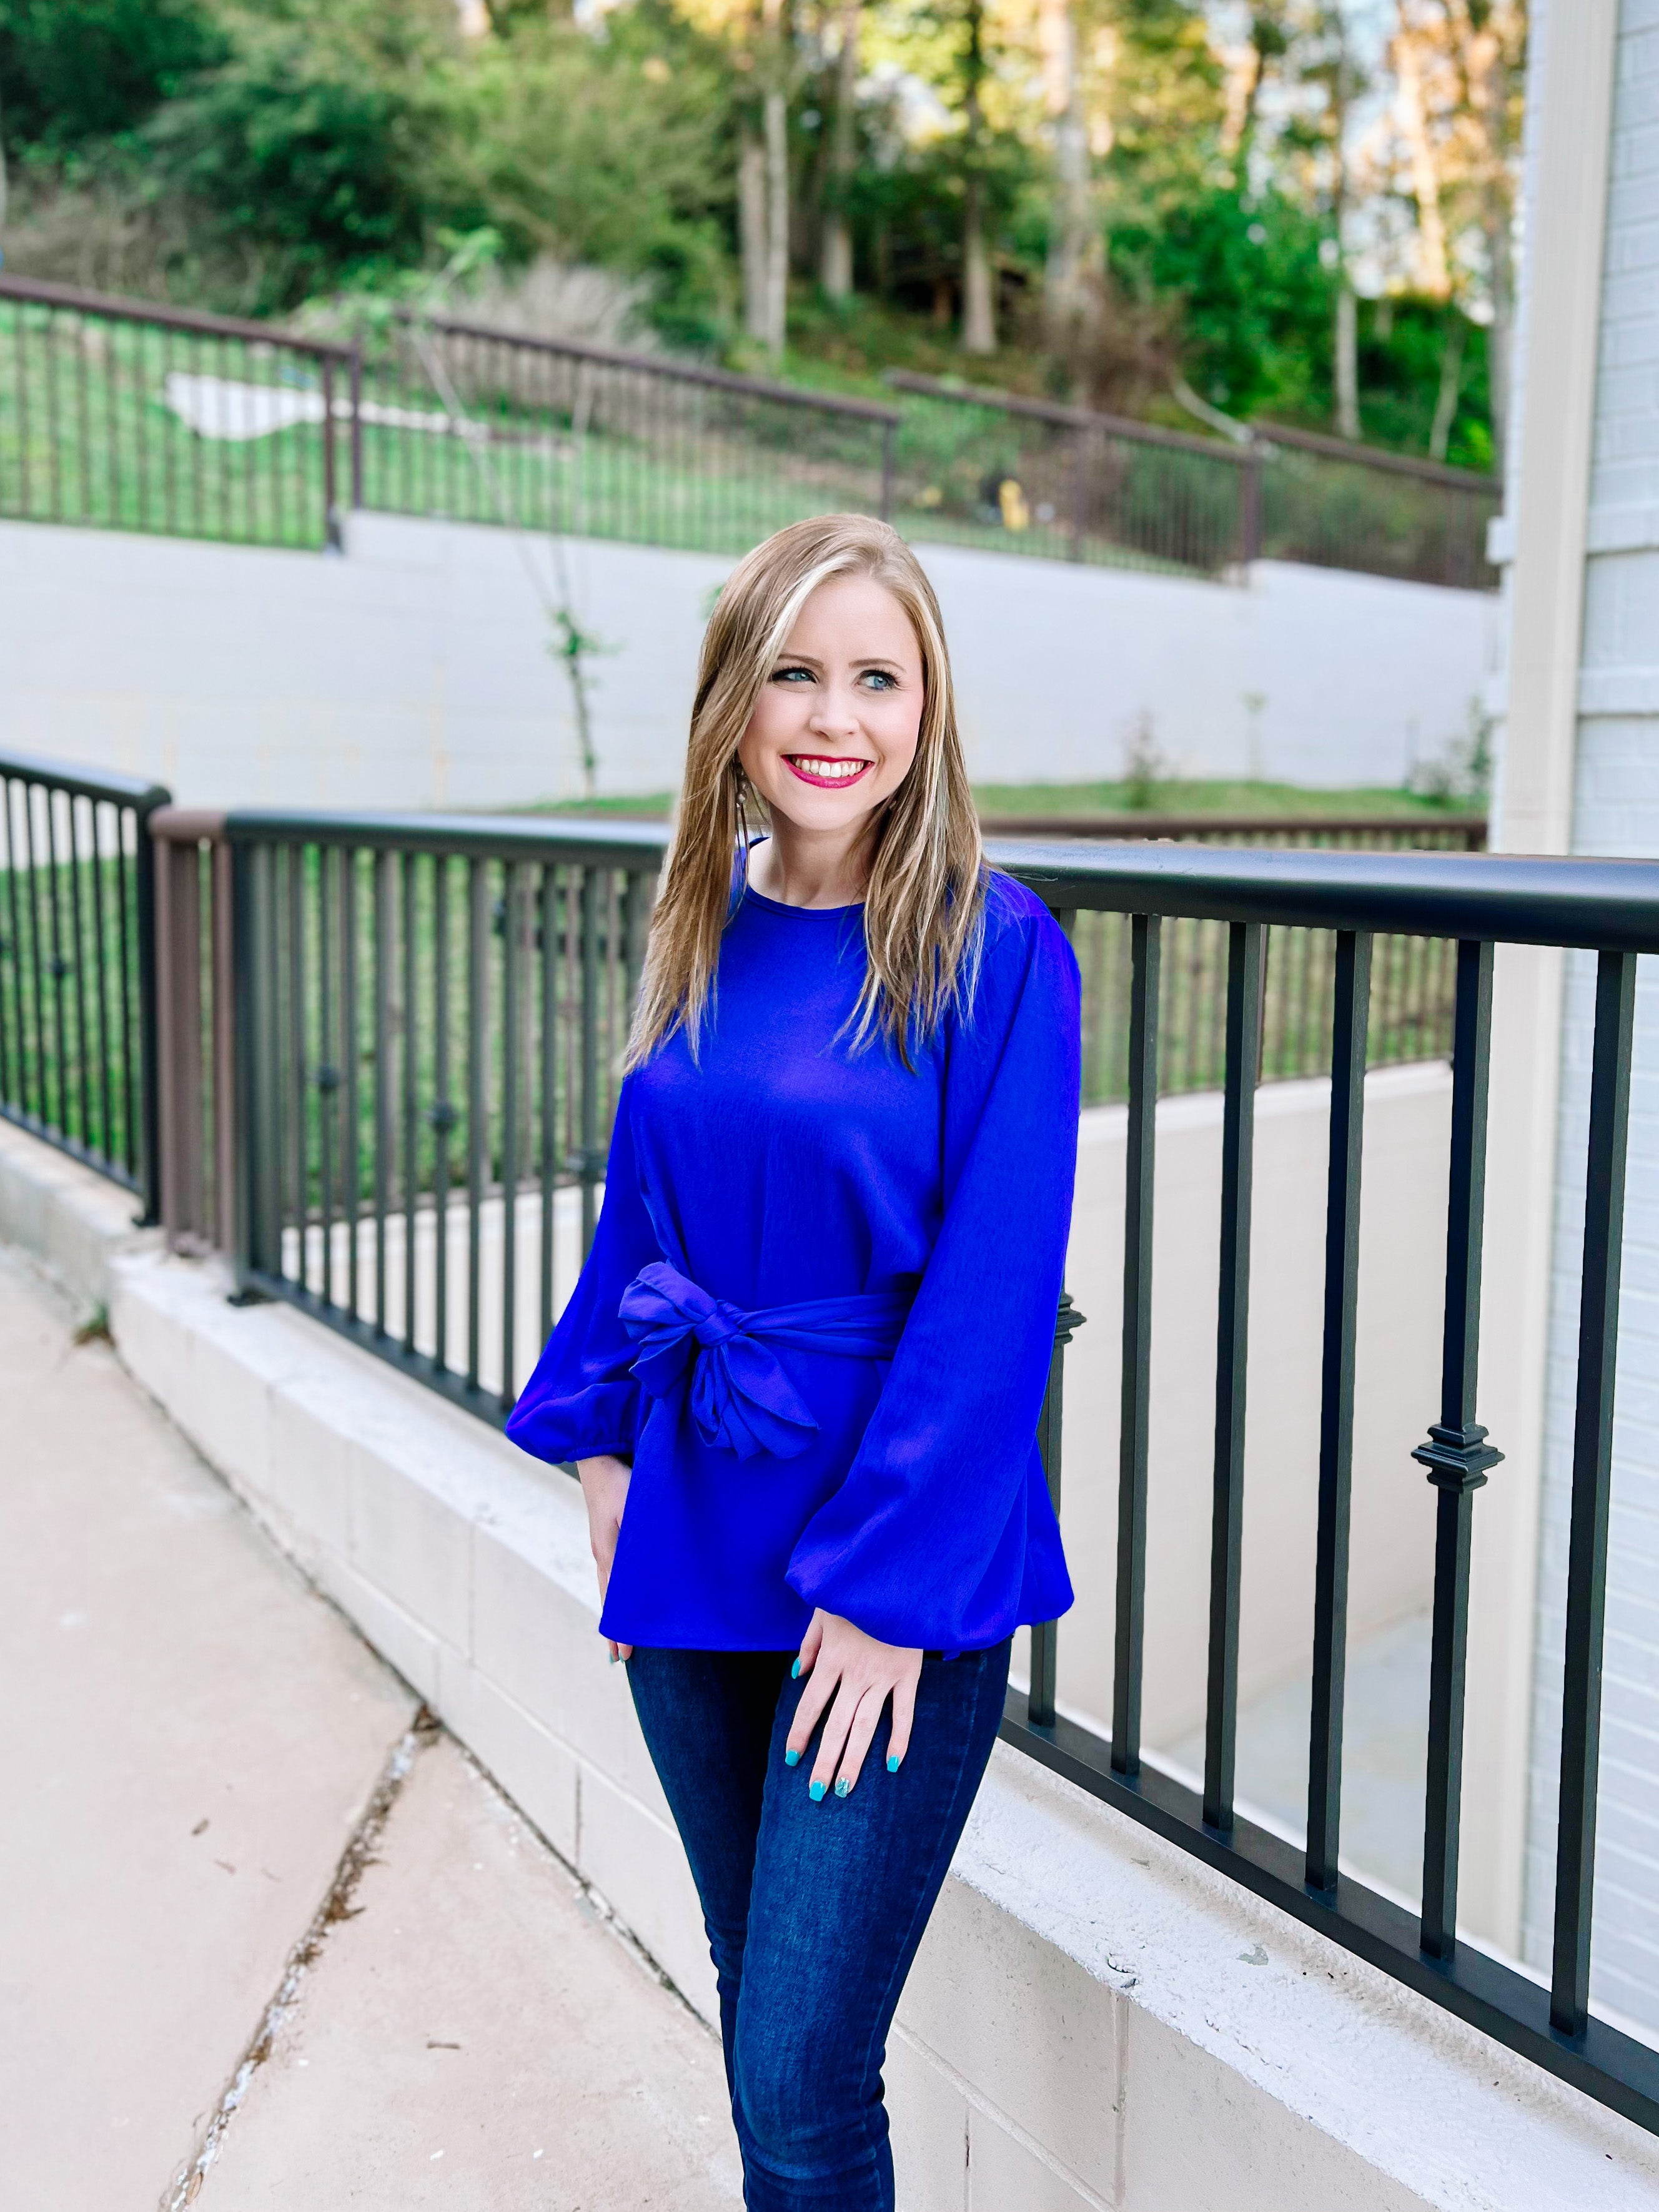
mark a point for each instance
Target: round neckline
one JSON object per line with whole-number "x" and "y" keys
{"x": 807, "y": 912}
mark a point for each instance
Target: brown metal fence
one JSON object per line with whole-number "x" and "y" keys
{"x": 125, "y": 414}
{"x": 987, "y": 468}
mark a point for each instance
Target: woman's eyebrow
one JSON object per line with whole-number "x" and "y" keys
{"x": 876, "y": 660}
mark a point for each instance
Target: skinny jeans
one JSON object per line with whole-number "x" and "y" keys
{"x": 814, "y": 1911}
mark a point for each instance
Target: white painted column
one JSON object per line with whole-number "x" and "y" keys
{"x": 1541, "y": 539}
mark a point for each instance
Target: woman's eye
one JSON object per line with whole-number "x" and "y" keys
{"x": 791, "y": 675}
{"x": 879, "y": 680}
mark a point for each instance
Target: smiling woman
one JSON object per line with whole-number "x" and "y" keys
{"x": 805, "y": 1414}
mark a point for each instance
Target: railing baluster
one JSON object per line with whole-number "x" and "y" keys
{"x": 592, "y": 1167}
{"x": 1246, "y": 949}
{"x": 443, "y": 1113}
{"x": 381, "y": 897}
{"x": 1135, "y": 1415}
{"x": 350, "y": 1133}
{"x": 510, "y": 1068}
{"x": 1353, "y": 980}
{"x": 477, "y": 1109}
{"x": 1045, "y": 1634}
{"x": 1592, "y": 1483}
{"x": 550, "y": 1083}
{"x": 1458, "y": 1455}
{"x": 298, "y": 1057}
{"x": 409, "y": 866}
{"x": 328, "y": 1073}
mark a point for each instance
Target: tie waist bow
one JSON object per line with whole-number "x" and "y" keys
{"x": 740, "y": 1396}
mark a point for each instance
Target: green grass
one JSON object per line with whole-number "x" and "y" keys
{"x": 1193, "y": 796}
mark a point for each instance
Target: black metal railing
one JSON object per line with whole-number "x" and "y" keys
{"x": 428, "y": 1015}
{"x": 987, "y": 468}
{"x": 1472, "y": 904}
{"x": 77, "y": 965}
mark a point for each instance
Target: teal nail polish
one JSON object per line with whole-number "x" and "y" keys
{"x": 614, "y": 1657}
{"x": 892, "y": 1762}
{"x": 816, "y": 1791}
{"x": 843, "y": 1786}
{"x": 792, "y": 1758}
{"x": 794, "y": 1671}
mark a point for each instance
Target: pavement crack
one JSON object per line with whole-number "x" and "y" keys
{"x": 337, "y": 1906}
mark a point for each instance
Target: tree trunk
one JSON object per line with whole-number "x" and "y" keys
{"x": 835, "y": 266}
{"x": 1347, "y": 360}
{"x": 979, "y": 320}
{"x": 1070, "y": 240}
{"x": 1501, "y": 328}
{"x": 752, "y": 231}
{"x": 1451, "y": 384}
{"x": 1346, "y": 347}
{"x": 777, "y": 218}
{"x": 1433, "y": 271}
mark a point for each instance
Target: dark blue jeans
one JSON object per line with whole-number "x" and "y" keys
{"x": 813, "y": 1912}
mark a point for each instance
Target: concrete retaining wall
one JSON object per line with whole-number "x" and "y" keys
{"x": 1094, "y": 2020}
{"x": 416, "y": 671}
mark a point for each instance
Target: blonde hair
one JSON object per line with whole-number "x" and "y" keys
{"x": 924, "y": 890}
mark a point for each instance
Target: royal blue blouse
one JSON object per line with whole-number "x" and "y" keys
{"x": 820, "y": 1308}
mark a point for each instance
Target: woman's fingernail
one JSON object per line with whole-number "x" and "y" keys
{"x": 794, "y": 1671}
{"x": 892, "y": 1762}
{"x": 843, "y": 1786}
{"x": 614, "y": 1656}
{"x": 792, "y": 1758}
{"x": 816, "y": 1791}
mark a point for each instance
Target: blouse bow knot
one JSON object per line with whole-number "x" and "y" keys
{"x": 740, "y": 1397}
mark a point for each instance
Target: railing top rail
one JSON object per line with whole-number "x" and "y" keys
{"x": 678, "y": 372}
{"x": 621, "y": 844}
{"x": 1503, "y": 897}
{"x": 1498, "y": 897}
{"x": 1260, "y": 433}
{"x": 1376, "y": 457}
{"x": 187, "y": 826}
{"x": 1051, "y": 411}
{"x": 113, "y": 306}
{"x": 86, "y": 782}
{"x": 1185, "y": 827}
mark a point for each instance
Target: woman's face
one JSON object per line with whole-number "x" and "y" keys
{"x": 835, "y": 729}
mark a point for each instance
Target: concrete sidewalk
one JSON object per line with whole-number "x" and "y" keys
{"x": 268, "y": 1938}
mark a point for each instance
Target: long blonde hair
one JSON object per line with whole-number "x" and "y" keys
{"x": 923, "y": 889}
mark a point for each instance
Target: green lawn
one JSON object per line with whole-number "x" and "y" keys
{"x": 1197, "y": 797}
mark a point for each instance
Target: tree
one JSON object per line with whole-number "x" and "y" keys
{"x": 1459, "y": 65}
{"x": 1073, "y": 239}
{"x": 836, "y": 251}
{"x": 979, "y": 314}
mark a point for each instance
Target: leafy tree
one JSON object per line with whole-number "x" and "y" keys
{"x": 72, "y": 70}
{"x": 311, "y": 150}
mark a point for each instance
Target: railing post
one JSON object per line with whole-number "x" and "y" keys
{"x": 1146, "y": 939}
{"x": 356, "y": 428}
{"x": 1249, "y": 505}
{"x": 144, "y": 873}
{"x": 1458, "y": 1455}
{"x": 331, "y": 533}
{"x": 1040, "y": 1705}
{"x": 179, "y": 1036}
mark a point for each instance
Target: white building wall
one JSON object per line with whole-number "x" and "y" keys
{"x": 416, "y": 671}
{"x": 1616, "y": 812}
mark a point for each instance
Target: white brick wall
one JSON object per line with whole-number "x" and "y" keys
{"x": 1615, "y": 812}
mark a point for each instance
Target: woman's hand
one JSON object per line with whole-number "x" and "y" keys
{"x": 860, "y": 1675}
{"x": 605, "y": 1487}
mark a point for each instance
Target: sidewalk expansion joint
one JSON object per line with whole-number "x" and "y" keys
{"x": 337, "y": 1906}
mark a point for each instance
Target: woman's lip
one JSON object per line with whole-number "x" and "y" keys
{"x": 826, "y": 782}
